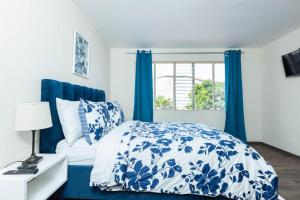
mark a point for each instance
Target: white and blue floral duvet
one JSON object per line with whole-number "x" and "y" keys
{"x": 181, "y": 158}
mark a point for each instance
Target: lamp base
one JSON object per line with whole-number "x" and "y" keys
{"x": 32, "y": 160}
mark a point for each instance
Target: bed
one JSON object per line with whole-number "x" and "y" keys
{"x": 79, "y": 173}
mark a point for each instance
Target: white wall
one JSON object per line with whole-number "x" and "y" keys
{"x": 36, "y": 43}
{"x": 122, "y": 88}
{"x": 280, "y": 96}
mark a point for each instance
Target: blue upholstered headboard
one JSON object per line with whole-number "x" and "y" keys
{"x": 52, "y": 89}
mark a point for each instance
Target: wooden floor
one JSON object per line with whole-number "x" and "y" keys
{"x": 287, "y": 167}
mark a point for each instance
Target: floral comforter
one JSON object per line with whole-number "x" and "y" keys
{"x": 181, "y": 158}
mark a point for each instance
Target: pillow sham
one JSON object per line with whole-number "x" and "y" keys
{"x": 95, "y": 120}
{"x": 115, "y": 112}
{"x": 69, "y": 119}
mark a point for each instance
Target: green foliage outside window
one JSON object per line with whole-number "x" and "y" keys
{"x": 204, "y": 96}
{"x": 162, "y": 102}
{"x": 219, "y": 96}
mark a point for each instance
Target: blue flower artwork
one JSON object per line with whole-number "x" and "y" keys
{"x": 81, "y": 56}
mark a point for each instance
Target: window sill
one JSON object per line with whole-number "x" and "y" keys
{"x": 166, "y": 110}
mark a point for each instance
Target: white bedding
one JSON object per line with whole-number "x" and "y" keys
{"x": 80, "y": 153}
{"x": 110, "y": 146}
{"x": 181, "y": 158}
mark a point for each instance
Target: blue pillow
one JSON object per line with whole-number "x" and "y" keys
{"x": 95, "y": 120}
{"x": 115, "y": 112}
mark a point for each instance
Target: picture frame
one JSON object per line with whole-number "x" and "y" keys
{"x": 81, "y": 53}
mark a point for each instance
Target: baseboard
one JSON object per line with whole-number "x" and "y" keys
{"x": 277, "y": 149}
{"x": 255, "y": 142}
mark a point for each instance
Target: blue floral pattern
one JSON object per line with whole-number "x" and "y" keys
{"x": 187, "y": 158}
{"x": 115, "y": 113}
{"x": 95, "y": 120}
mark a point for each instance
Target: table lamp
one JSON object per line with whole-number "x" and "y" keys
{"x": 32, "y": 117}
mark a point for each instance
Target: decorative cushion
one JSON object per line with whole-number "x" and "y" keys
{"x": 95, "y": 120}
{"x": 69, "y": 119}
{"x": 115, "y": 112}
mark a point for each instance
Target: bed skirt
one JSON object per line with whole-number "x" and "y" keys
{"x": 77, "y": 187}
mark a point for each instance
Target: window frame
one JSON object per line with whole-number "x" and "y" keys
{"x": 174, "y": 81}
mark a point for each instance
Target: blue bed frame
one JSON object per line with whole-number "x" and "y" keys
{"x": 77, "y": 186}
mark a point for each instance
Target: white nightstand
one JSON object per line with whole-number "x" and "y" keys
{"x": 52, "y": 174}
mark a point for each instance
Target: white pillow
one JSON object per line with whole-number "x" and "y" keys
{"x": 69, "y": 119}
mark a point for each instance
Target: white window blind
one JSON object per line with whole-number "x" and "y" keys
{"x": 184, "y": 85}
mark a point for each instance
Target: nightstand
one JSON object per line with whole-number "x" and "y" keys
{"x": 52, "y": 174}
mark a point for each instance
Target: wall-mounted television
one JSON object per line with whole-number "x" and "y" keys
{"x": 291, "y": 63}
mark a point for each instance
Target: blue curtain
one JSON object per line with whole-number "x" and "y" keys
{"x": 234, "y": 123}
{"x": 143, "y": 98}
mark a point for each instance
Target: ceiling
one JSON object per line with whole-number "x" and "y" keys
{"x": 192, "y": 23}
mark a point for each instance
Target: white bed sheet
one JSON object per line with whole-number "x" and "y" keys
{"x": 80, "y": 153}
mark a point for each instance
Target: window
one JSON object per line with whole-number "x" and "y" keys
{"x": 189, "y": 86}
{"x": 164, "y": 84}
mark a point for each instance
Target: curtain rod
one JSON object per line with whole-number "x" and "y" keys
{"x": 214, "y": 52}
